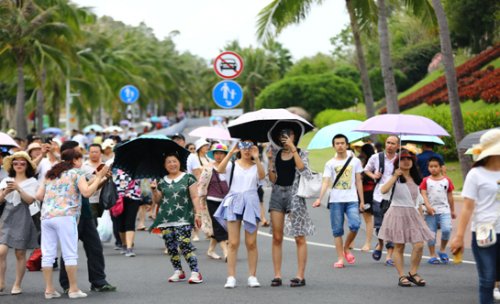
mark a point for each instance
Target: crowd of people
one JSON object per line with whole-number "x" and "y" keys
{"x": 49, "y": 194}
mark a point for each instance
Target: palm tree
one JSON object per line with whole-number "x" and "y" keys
{"x": 281, "y": 13}
{"x": 451, "y": 83}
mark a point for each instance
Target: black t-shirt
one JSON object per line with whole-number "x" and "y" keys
{"x": 285, "y": 169}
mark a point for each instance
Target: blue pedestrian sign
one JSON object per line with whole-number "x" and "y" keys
{"x": 227, "y": 94}
{"x": 129, "y": 94}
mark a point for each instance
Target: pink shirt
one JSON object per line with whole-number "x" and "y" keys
{"x": 62, "y": 197}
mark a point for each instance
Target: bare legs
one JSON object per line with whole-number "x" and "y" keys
{"x": 128, "y": 238}
{"x": 416, "y": 257}
{"x": 233, "y": 230}
{"x": 344, "y": 247}
{"x": 20, "y": 266}
{"x": 49, "y": 286}
{"x": 3, "y": 264}
{"x": 369, "y": 231}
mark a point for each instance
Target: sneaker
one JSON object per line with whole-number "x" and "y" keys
{"x": 118, "y": 247}
{"x": 230, "y": 283}
{"x": 195, "y": 278}
{"x": 496, "y": 294}
{"x": 130, "y": 253}
{"x": 103, "y": 288}
{"x": 177, "y": 276}
{"x": 52, "y": 295}
{"x": 252, "y": 282}
{"x": 77, "y": 294}
{"x": 123, "y": 250}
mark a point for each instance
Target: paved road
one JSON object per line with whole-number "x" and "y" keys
{"x": 143, "y": 279}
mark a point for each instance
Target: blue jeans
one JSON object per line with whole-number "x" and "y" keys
{"x": 337, "y": 210}
{"x": 488, "y": 268}
{"x": 443, "y": 220}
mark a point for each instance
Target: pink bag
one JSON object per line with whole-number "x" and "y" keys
{"x": 117, "y": 209}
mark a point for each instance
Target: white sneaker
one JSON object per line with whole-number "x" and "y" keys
{"x": 195, "y": 278}
{"x": 77, "y": 294}
{"x": 177, "y": 276}
{"x": 496, "y": 294}
{"x": 252, "y": 282}
{"x": 230, "y": 283}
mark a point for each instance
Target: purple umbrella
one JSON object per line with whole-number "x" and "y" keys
{"x": 401, "y": 124}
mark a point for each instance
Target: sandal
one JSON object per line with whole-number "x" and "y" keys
{"x": 389, "y": 262}
{"x": 377, "y": 254}
{"x": 443, "y": 257}
{"x": 416, "y": 279}
{"x": 404, "y": 281}
{"x": 296, "y": 282}
{"x": 349, "y": 257}
{"x": 434, "y": 261}
{"x": 213, "y": 255}
{"x": 276, "y": 282}
{"x": 143, "y": 228}
{"x": 338, "y": 265}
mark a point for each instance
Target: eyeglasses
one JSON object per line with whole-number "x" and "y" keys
{"x": 245, "y": 145}
{"x": 19, "y": 163}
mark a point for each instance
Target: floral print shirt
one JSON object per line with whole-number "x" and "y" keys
{"x": 62, "y": 196}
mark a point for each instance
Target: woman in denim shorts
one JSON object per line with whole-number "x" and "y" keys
{"x": 287, "y": 165}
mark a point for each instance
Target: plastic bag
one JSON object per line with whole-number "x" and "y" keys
{"x": 105, "y": 227}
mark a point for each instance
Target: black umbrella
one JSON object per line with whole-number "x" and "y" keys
{"x": 255, "y": 125}
{"x": 472, "y": 139}
{"x": 143, "y": 157}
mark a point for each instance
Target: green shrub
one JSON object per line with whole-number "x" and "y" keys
{"x": 330, "y": 116}
{"x": 474, "y": 121}
{"x": 415, "y": 61}
{"x": 313, "y": 93}
{"x": 377, "y": 82}
{"x": 348, "y": 72}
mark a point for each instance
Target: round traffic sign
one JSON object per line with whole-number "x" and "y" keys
{"x": 228, "y": 65}
{"x": 129, "y": 94}
{"x": 227, "y": 94}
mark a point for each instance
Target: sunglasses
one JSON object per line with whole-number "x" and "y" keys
{"x": 245, "y": 144}
{"x": 19, "y": 163}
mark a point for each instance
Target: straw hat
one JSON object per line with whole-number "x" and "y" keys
{"x": 7, "y": 162}
{"x": 217, "y": 148}
{"x": 489, "y": 145}
{"x": 412, "y": 148}
{"x": 33, "y": 146}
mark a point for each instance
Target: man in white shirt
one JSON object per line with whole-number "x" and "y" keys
{"x": 346, "y": 197}
{"x": 373, "y": 170}
{"x": 89, "y": 167}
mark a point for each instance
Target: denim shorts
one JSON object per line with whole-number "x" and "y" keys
{"x": 337, "y": 211}
{"x": 443, "y": 220}
{"x": 281, "y": 198}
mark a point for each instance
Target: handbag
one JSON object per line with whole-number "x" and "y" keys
{"x": 109, "y": 195}
{"x": 34, "y": 263}
{"x": 385, "y": 204}
{"x": 486, "y": 235}
{"x": 117, "y": 209}
{"x": 310, "y": 188}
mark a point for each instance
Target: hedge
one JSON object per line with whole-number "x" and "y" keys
{"x": 330, "y": 116}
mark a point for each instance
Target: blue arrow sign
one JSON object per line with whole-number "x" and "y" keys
{"x": 227, "y": 94}
{"x": 129, "y": 94}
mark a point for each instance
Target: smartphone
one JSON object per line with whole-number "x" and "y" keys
{"x": 99, "y": 168}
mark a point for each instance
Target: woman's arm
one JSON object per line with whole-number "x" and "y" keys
{"x": 40, "y": 193}
{"x": 87, "y": 189}
{"x": 156, "y": 194}
{"x": 457, "y": 243}
{"x": 196, "y": 205}
{"x": 223, "y": 164}
{"x": 25, "y": 197}
{"x": 388, "y": 185}
{"x": 261, "y": 173}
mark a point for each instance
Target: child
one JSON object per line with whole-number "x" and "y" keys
{"x": 438, "y": 199}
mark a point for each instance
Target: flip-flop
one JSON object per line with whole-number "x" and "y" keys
{"x": 338, "y": 265}
{"x": 349, "y": 257}
{"x": 377, "y": 254}
{"x": 389, "y": 262}
{"x": 443, "y": 257}
{"x": 434, "y": 261}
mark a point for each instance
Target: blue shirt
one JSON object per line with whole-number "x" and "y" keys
{"x": 423, "y": 161}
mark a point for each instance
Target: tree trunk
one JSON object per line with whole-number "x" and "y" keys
{"x": 390, "y": 89}
{"x": 21, "y": 126}
{"x": 451, "y": 83}
{"x": 40, "y": 101}
{"x": 365, "y": 80}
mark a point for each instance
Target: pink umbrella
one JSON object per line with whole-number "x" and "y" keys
{"x": 212, "y": 133}
{"x": 401, "y": 124}
{"x": 7, "y": 141}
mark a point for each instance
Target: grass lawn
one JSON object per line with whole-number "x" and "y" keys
{"x": 318, "y": 158}
{"x": 466, "y": 107}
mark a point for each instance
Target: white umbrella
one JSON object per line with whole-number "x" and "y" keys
{"x": 212, "y": 133}
{"x": 112, "y": 129}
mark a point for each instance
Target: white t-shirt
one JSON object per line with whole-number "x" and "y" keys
{"x": 345, "y": 190}
{"x": 89, "y": 169}
{"x": 437, "y": 192}
{"x": 43, "y": 167}
{"x": 373, "y": 166}
{"x": 244, "y": 179}
{"x": 193, "y": 162}
{"x": 482, "y": 186}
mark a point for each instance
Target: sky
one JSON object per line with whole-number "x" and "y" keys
{"x": 205, "y": 26}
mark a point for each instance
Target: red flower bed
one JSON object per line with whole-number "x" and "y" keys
{"x": 473, "y": 83}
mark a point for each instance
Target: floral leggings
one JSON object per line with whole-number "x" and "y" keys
{"x": 180, "y": 238}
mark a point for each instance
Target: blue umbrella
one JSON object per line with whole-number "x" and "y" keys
{"x": 323, "y": 138}
{"x": 143, "y": 156}
{"x": 422, "y": 139}
{"x": 52, "y": 130}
